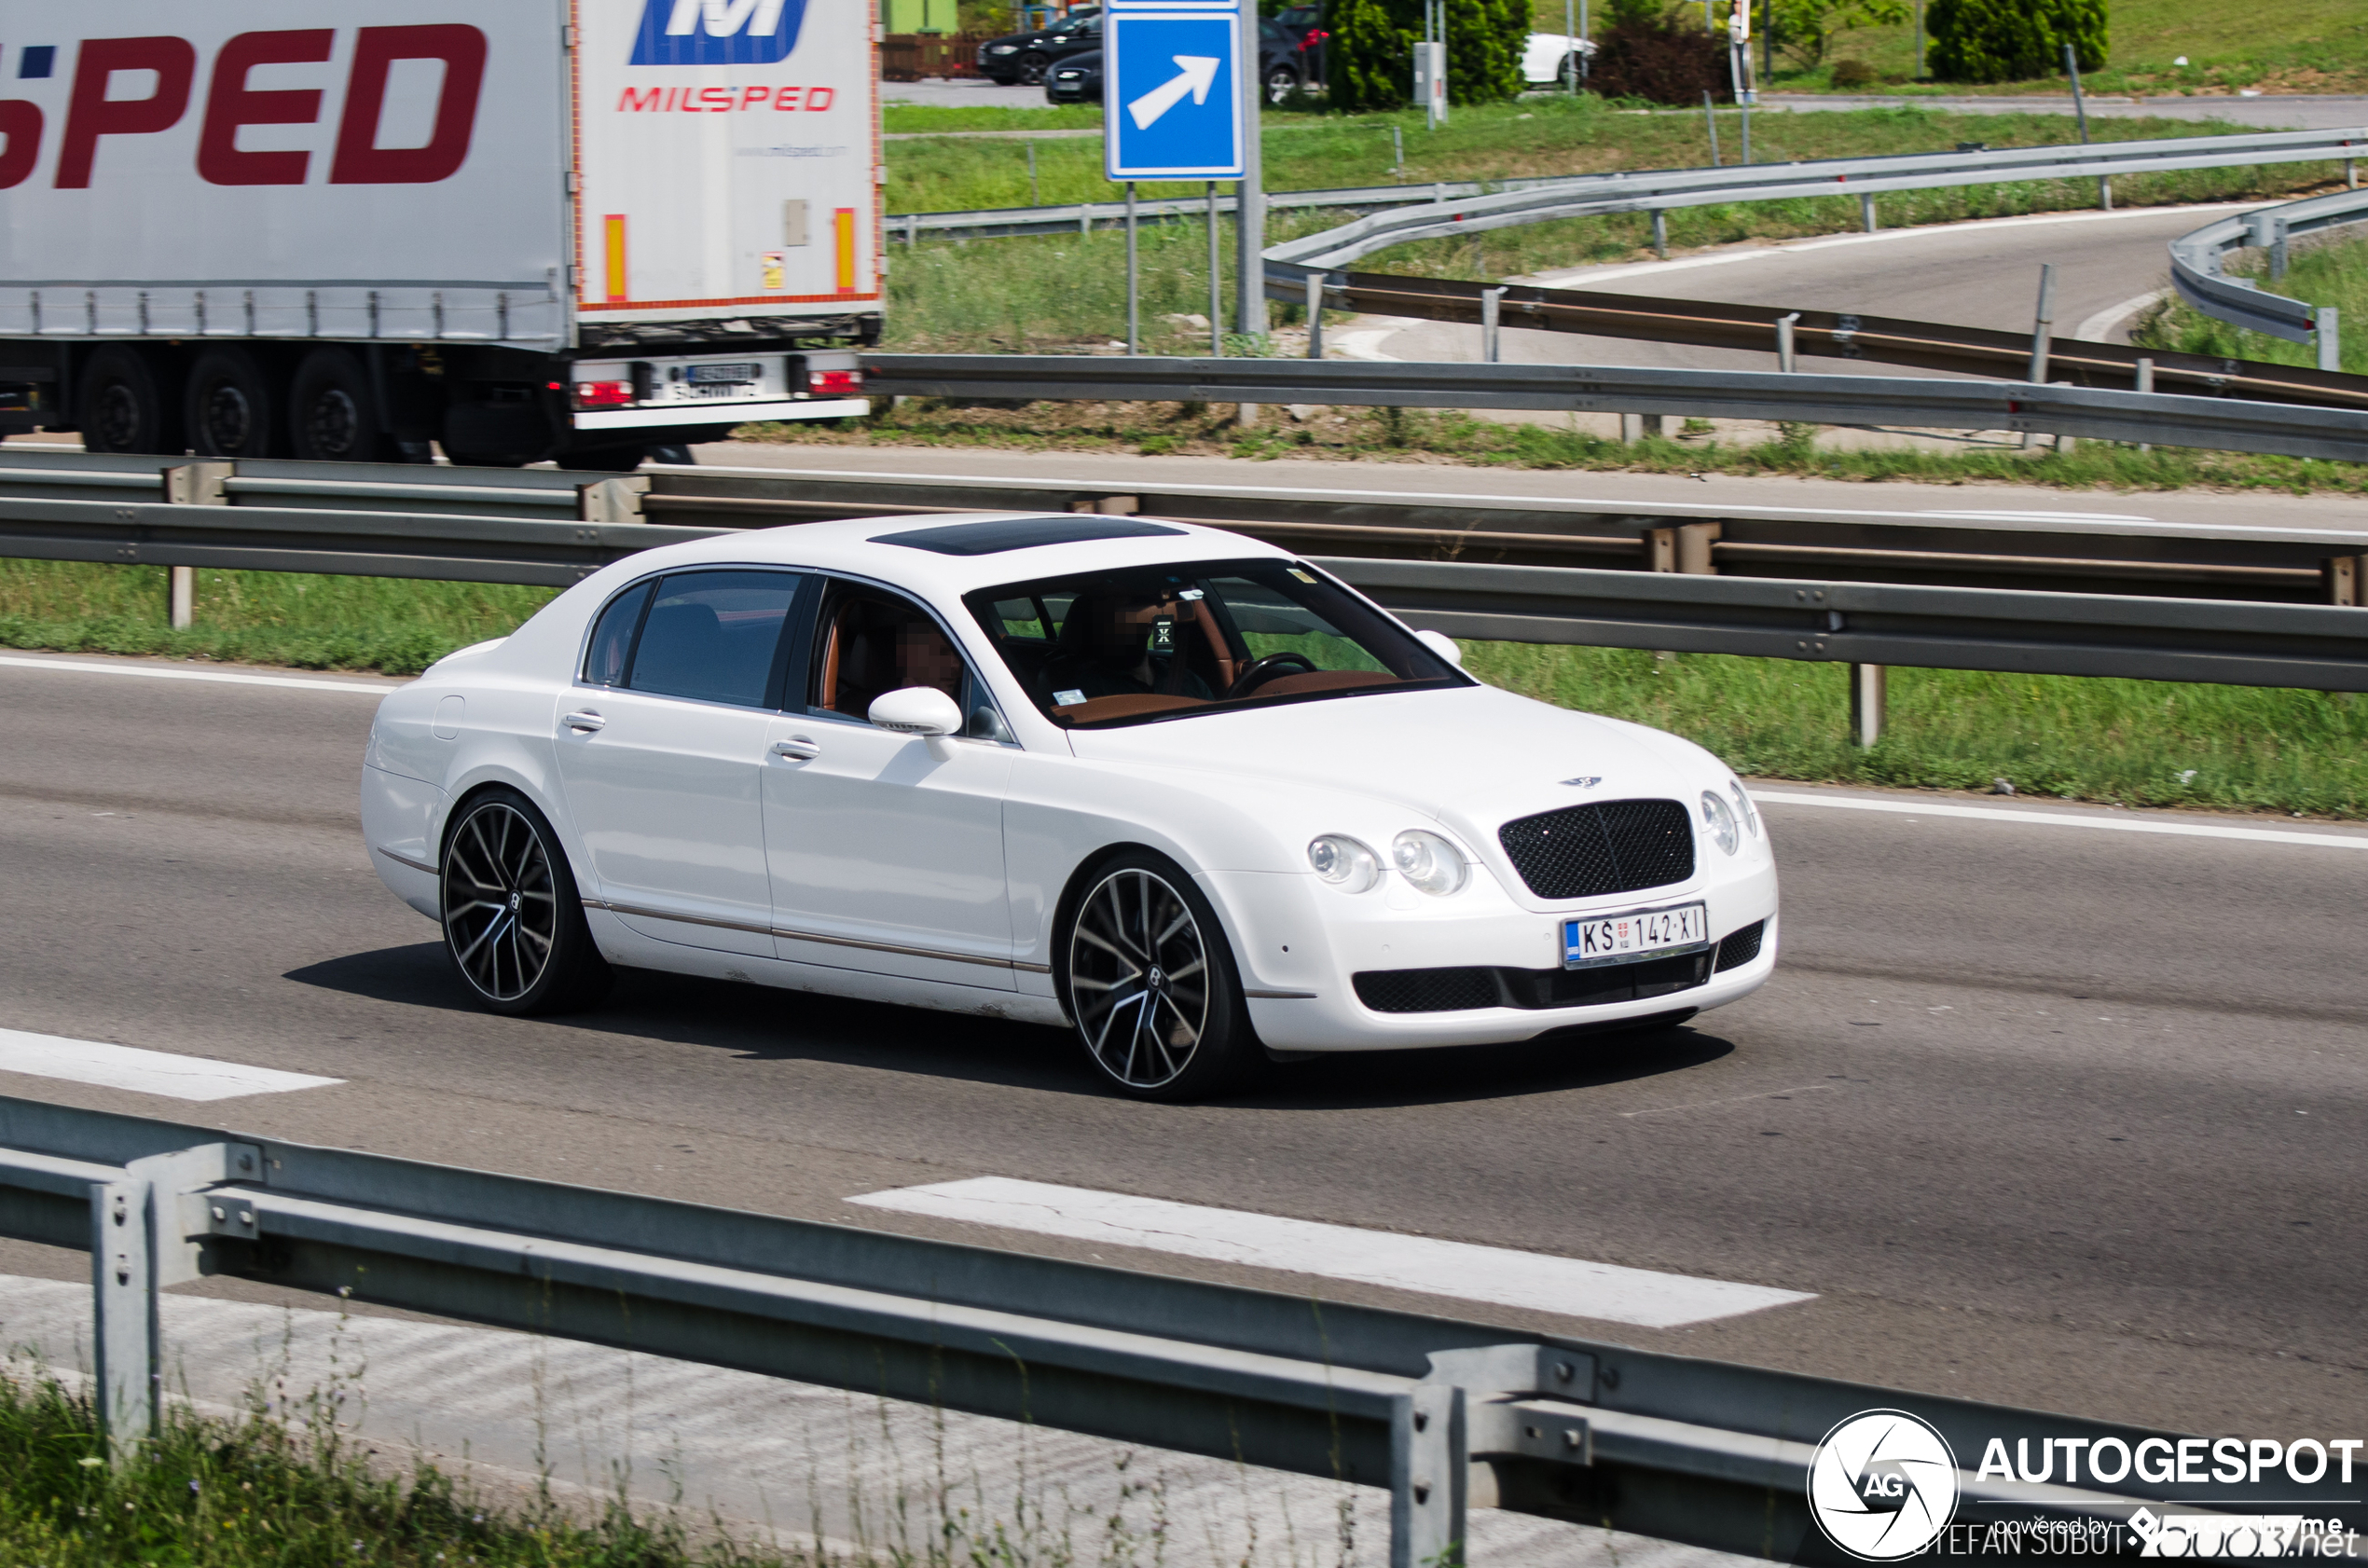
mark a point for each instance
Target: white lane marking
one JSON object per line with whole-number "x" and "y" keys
{"x": 2093, "y": 330}
{"x": 147, "y": 1072}
{"x": 228, "y": 677}
{"x": 2068, "y": 819}
{"x": 1568, "y": 1286}
{"x": 1888, "y": 236}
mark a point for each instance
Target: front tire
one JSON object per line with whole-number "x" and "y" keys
{"x": 1032, "y": 68}
{"x": 333, "y": 410}
{"x": 513, "y": 922}
{"x": 1149, "y": 979}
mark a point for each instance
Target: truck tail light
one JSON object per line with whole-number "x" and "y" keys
{"x": 603, "y": 394}
{"x": 836, "y": 383}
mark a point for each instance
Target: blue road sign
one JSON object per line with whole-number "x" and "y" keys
{"x": 1171, "y": 95}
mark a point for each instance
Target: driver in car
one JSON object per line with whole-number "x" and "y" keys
{"x": 1131, "y": 643}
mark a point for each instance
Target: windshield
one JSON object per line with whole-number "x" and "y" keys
{"x": 1166, "y": 642}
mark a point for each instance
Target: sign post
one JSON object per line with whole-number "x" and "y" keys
{"x": 1179, "y": 104}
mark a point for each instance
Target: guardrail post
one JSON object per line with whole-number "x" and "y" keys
{"x": 1660, "y": 233}
{"x": 1694, "y": 541}
{"x": 2345, "y": 575}
{"x": 1784, "y": 325}
{"x": 1867, "y": 695}
{"x": 191, "y": 484}
{"x": 1429, "y": 1474}
{"x": 2326, "y": 332}
{"x": 1492, "y": 309}
{"x": 1635, "y": 427}
{"x": 2277, "y": 249}
{"x": 2042, "y": 337}
{"x": 2146, "y": 384}
{"x": 1316, "y": 315}
{"x": 613, "y": 500}
{"x": 123, "y": 1288}
{"x": 1866, "y": 212}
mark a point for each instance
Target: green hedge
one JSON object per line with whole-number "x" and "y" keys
{"x": 2013, "y": 40}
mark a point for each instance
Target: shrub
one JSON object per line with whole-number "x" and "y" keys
{"x": 1663, "y": 59}
{"x": 2013, "y": 40}
{"x": 1853, "y": 73}
{"x": 1371, "y": 61}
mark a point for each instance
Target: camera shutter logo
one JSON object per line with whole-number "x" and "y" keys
{"x": 1883, "y": 1485}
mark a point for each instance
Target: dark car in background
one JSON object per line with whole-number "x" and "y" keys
{"x": 1024, "y": 57}
{"x": 1282, "y": 68}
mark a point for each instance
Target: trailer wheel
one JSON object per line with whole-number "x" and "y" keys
{"x": 228, "y": 405}
{"x": 333, "y": 413}
{"x": 122, "y": 408}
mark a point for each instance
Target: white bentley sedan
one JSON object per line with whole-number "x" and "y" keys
{"x": 1178, "y": 791}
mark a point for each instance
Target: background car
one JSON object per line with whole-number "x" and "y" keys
{"x": 1547, "y": 55}
{"x": 1023, "y": 57}
{"x": 1077, "y": 79}
{"x": 1176, "y": 791}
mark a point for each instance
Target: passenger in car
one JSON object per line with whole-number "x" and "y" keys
{"x": 1114, "y": 645}
{"x": 925, "y": 658}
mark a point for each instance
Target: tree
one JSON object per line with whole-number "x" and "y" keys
{"x": 1371, "y": 63}
{"x": 1806, "y": 29}
{"x": 2013, "y": 40}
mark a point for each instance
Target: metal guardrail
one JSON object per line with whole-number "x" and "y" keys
{"x": 2197, "y": 258}
{"x": 1661, "y": 191}
{"x": 1444, "y": 1414}
{"x": 2323, "y": 647}
{"x": 1833, "y": 335}
{"x": 460, "y": 524}
{"x": 1084, "y": 217}
{"x": 2161, "y": 418}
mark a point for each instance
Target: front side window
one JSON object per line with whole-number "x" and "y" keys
{"x": 869, "y": 642}
{"x": 1168, "y": 641}
{"x": 714, "y": 636}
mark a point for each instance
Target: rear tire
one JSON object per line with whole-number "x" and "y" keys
{"x": 228, "y": 409}
{"x": 332, "y": 411}
{"x": 1032, "y": 68}
{"x": 123, "y": 405}
{"x": 512, "y": 921}
{"x": 1149, "y": 979}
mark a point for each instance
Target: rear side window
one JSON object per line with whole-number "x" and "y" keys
{"x": 715, "y": 636}
{"x": 612, "y": 638}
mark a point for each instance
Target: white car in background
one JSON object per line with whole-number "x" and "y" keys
{"x": 1175, "y": 789}
{"x": 1547, "y": 56}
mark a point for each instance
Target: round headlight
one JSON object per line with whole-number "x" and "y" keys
{"x": 1343, "y": 862}
{"x": 1430, "y": 862}
{"x": 1744, "y": 806}
{"x": 1718, "y": 821}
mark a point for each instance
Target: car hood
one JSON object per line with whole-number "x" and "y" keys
{"x": 1472, "y": 758}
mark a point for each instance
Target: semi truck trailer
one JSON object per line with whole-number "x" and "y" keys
{"x": 360, "y": 230}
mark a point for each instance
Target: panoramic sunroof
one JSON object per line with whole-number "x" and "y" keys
{"x": 1022, "y": 534}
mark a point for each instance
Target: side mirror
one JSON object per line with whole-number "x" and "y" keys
{"x": 917, "y": 711}
{"x": 1443, "y": 645}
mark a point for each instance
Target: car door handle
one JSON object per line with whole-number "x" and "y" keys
{"x": 584, "y": 719}
{"x": 797, "y": 747}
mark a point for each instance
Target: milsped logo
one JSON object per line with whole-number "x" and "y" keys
{"x": 717, "y": 31}
{"x": 1883, "y": 1485}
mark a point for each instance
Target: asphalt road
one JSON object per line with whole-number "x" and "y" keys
{"x": 2109, "y": 266}
{"x": 2044, "y": 1114}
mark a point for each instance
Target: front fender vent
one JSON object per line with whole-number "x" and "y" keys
{"x": 1606, "y": 847}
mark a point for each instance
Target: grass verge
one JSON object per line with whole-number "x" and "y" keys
{"x": 2134, "y": 742}
{"x": 921, "y": 120}
{"x": 396, "y": 627}
{"x": 2333, "y": 272}
{"x": 1425, "y": 435}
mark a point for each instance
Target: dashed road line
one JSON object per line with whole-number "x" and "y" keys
{"x": 146, "y": 1072}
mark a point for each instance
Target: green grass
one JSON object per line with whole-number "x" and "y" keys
{"x": 254, "y": 1492}
{"x": 1163, "y": 429}
{"x": 923, "y": 118}
{"x": 398, "y": 627}
{"x": 2130, "y": 741}
{"x": 1052, "y": 292}
{"x": 2296, "y": 46}
{"x": 2331, "y": 273}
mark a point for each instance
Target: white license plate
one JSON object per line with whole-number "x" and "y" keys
{"x": 708, "y": 375}
{"x": 1614, "y": 939}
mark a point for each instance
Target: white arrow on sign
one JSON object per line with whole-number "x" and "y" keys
{"x": 1196, "y": 72}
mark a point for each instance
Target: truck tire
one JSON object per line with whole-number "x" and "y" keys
{"x": 227, "y": 410}
{"x": 124, "y": 405}
{"x": 332, "y": 411}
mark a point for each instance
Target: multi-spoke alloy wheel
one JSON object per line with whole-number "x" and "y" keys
{"x": 1153, "y": 1002}
{"x": 511, "y": 918}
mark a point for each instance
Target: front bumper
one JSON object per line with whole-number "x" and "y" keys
{"x": 1304, "y": 946}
